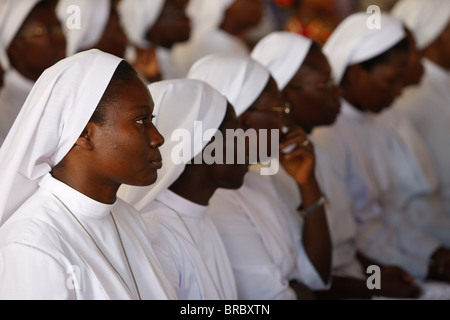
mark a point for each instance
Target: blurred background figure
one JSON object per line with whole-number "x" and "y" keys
{"x": 426, "y": 104}
{"x": 31, "y": 40}
{"x": 218, "y": 26}
{"x": 92, "y": 24}
{"x": 316, "y": 19}
{"x": 153, "y": 27}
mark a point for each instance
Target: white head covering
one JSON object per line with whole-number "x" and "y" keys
{"x": 179, "y": 104}
{"x": 206, "y": 15}
{"x": 137, "y": 16}
{"x": 239, "y": 78}
{"x": 283, "y": 54}
{"x": 49, "y": 123}
{"x": 13, "y": 14}
{"x": 426, "y": 19}
{"x": 94, "y": 16}
{"x": 353, "y": 42}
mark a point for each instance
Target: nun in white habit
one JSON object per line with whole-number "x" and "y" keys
{"x": 189, "y": 113}
{"x": 262, "y": 235}
{"x": 283, "y": 53}
{"x": 426, "y": 105}
{"x": 364, "y": 152}
{"x": 137, "y": 18}
{"x": 207, "y": 37}
{"x": 17, "y": 86}
{"x": 55, "y": 241}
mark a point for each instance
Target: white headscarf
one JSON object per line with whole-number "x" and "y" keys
{"x": 138, "y": 16}
{"x": 206, "y": 15}
{"x": 239, "y": 78}
{"x": 283, "y": 54}
{"x": 94, "y": 16}
{"x": 13, "y": 14}
{"x": 179, "y": 103}
{"x": 55, "y": 113}
{"x": 354, "y": 42}
{"x": 427, "y": 19}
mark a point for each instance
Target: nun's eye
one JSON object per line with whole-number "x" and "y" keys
{"x": 142, "y": 121}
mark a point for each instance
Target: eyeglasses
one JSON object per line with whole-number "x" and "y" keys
{"x": 285, "y": 109}
{"x": 55, "y": 31}
{"x": 328, "y": 85}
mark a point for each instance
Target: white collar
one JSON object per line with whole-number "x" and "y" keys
{"x": 78, "y": 203}
{"x": 181, "y": 205}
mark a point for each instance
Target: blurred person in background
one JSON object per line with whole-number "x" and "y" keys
{"x": 370, "y": 158}
{"x": 218, "y": 26}
{"x": 426, "y": 103}
{"x": 92, "y": 24}
{"x": 153, "y": 27}
{"x": 31, "y": 40}
{"x": 316, "y": 19}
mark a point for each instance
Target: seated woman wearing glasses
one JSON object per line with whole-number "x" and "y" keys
{"x": 272, "y": 257}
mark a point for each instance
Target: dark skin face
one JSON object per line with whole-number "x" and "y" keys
{"x": 375, "y": 90}
{"x": 242, "y": 15}
{"x": 198, "y": 182}
{"x": 313, "y": 96}
{"x": 113, "y": 40}
{"x": 124, "y": 149}
{"x": 40, "y": 36}
{"x": 172, "y": 26}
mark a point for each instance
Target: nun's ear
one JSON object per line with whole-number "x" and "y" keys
{"x": 85, "y": 139}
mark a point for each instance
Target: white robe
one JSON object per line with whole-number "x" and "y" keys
{"x": 189, "y": 248}
{"x": 12, "y": 97}
{"x": 217, "y": 41}
{"x": 46, "y": 254}
{"x": 427, "y": 106}
{"x": 383, "y": 233}
{"x": 263, "y": 239}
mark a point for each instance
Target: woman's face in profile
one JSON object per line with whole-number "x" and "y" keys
{"x": 128, "y": 150}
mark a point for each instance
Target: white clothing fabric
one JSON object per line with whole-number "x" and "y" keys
{"x": 283, "y": 54}
{"x": 46, "y": 254}
{"x": 427, "y": 107}
{"x": 12, "y": 97}
{"x": 383, "y": 233}
{"x": 426, "y": 19}
{"x": 189, "y": 248}
{"x": 353, "y": 41}
{"x": 93, "y": 18}
{"x": 50, "y": 122}
{"x": 12, "y": 16}
{"x": 239, "y": 78}
{"x": 137, "y": 17}
{"x": 263, "y": 239}
{"x": 180, "y": 105}
{"x": 408, "y": 176}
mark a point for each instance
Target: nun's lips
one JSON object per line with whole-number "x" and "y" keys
{"x": 157, "y": 163}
